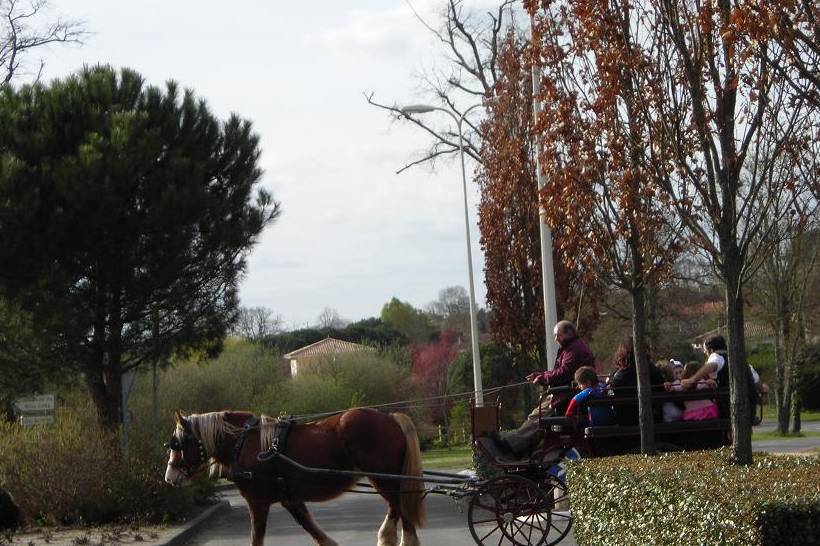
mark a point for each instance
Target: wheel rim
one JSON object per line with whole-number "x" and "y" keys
{"x": 560, "y": 515}
{"x": 509, "y": 510}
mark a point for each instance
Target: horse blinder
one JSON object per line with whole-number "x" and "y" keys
{"x": 175, "y": 444}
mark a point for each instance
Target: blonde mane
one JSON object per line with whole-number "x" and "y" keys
{"x": 266, "y": 428}
{"x": 212, "y": 428}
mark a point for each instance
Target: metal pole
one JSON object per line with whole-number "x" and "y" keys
{"x": 547, "y": 269}
{"x": 479, "y": 390}
{"x": 422, "y": 109}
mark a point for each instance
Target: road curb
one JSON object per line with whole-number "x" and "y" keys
{"x": 185, "y": 534}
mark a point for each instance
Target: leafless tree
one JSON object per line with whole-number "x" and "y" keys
{"x": 470, "y": 44}
{"x": 452, "y": 309}
{"x": 329, "y": 318}
{"x": 26, "y": 26}
{"x": 256, "y": 323}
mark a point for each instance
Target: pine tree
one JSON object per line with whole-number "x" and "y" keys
{"x": 126, "y": 214}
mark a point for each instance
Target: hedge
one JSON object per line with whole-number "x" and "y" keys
{"x": 696, "y": 498}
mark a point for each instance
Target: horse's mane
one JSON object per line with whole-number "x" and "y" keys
{"x": 211, "y": 429}
{"x": 266, "y": 428}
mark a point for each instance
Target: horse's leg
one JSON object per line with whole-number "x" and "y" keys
{"x": 387, "y": 532}
{"x": 258, "y": 511}
{"x": 300, "y": 513}
{"x": 408, "y": 533}
{"x": 388, "y": 536}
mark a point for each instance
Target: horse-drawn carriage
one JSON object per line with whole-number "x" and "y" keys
{"x": 521, "y": 501}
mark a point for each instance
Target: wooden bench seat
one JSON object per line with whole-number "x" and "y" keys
{"x": 610, "y": 431}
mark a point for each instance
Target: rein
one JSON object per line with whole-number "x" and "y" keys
{"x": 414, "y": 403}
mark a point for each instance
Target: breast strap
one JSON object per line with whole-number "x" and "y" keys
{"x": 236, "y": 472}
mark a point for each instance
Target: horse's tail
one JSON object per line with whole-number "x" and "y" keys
{"x": 412, "y": 492}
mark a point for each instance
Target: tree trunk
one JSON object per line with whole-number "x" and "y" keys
{"x": 785, "y": 407}
{"x": 646, "y": 420}
{"x": 105, "y": 401}
{"x": 741, "y": 413}
{"x": 797, "y": 399}
{"x": 781, "y": 390}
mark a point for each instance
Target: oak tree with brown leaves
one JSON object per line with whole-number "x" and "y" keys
{"x": 596, "y": 73}
{"x": 509, "y": 221}
{"x": 723, "y": 132}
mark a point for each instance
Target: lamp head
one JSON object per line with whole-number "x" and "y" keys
{"x": 417, "y": 109}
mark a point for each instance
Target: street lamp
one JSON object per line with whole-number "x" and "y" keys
{"x": 423, "y": 109}
{"x": 547, "y": 269}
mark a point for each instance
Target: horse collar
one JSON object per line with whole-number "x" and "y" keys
{"x": 236, "y": 471}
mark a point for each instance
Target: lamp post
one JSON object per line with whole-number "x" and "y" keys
{"x": 423, "y": 109}
{"x": 547, "y": 269}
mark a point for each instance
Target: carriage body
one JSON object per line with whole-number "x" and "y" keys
{"x": 563, "y": 439}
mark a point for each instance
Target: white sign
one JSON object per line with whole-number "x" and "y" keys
{"x": 38, "y": 403}
{"x": 31, "y": 420}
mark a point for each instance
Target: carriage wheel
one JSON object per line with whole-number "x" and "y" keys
{"x": 560, "y": 516}
{"x": 509, "y": 510}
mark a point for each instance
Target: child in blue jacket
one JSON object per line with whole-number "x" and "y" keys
{"x": 595, "y": 414}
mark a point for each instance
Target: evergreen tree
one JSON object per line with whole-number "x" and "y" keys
{"x": 126, "y": 214}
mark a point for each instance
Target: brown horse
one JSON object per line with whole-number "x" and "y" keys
{"x": 356, "y": 440}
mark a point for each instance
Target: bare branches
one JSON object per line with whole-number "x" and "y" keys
{"x": 21, "y": 32}
{"x": 470, "y": 44}
{"x": 444, "y": 143}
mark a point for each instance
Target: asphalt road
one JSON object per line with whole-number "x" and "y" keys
{"x": 353, "y": 520}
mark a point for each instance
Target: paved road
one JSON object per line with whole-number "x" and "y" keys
{"x": 790, "y": 445}
{"x": 353, "y": 520}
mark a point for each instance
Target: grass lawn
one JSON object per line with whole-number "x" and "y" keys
{"x": 456, "y": 458}
{"x": 770, "y": 414}
{"x": 776, "y": 436}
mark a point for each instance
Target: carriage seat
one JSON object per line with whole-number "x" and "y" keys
{"x": 610, "y": 431}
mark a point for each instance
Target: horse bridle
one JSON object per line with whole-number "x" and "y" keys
{"x": 175, "y": 444}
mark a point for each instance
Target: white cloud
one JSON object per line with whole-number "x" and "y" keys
{"x": 386, "y": 32}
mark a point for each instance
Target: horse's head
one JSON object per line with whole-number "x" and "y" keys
{"x": 187, "y": 454}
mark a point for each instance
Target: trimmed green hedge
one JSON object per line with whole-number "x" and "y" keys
{"x": 696, "y": 498}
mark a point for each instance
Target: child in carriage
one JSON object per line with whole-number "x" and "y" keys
{"x": 696, "y": 410}
{"x": 590, "y": 415}
{"x": 672, "y": 373}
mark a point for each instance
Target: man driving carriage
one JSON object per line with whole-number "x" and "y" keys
{"x": 573, "y": 354}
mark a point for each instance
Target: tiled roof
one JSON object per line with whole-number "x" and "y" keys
{"x": 751, "y": 330}
{"x": 327, "y": 346}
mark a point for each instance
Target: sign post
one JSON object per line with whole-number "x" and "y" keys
{"x": 127, "y": 383}
{"x": 35, "y": 410}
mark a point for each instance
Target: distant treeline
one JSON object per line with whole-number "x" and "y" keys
{"x": 371, "y": 331}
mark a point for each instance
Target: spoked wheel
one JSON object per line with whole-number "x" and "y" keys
{"x": 509, "y": 510}
{"x": 560, "y": 521}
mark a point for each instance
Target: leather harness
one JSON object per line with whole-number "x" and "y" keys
{"x": 278, "y": 445}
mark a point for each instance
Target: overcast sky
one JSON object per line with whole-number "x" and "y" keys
{"x": 353, "y": 234}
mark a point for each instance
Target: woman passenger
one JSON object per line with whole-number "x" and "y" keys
{"x": 626, "y": 375}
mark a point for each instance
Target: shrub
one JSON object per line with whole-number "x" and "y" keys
{"x": 695, "y": 498}
{"x": 243, "y": 377}
{"x": 74, "y": 472}
{"x": 348, "y": 380}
